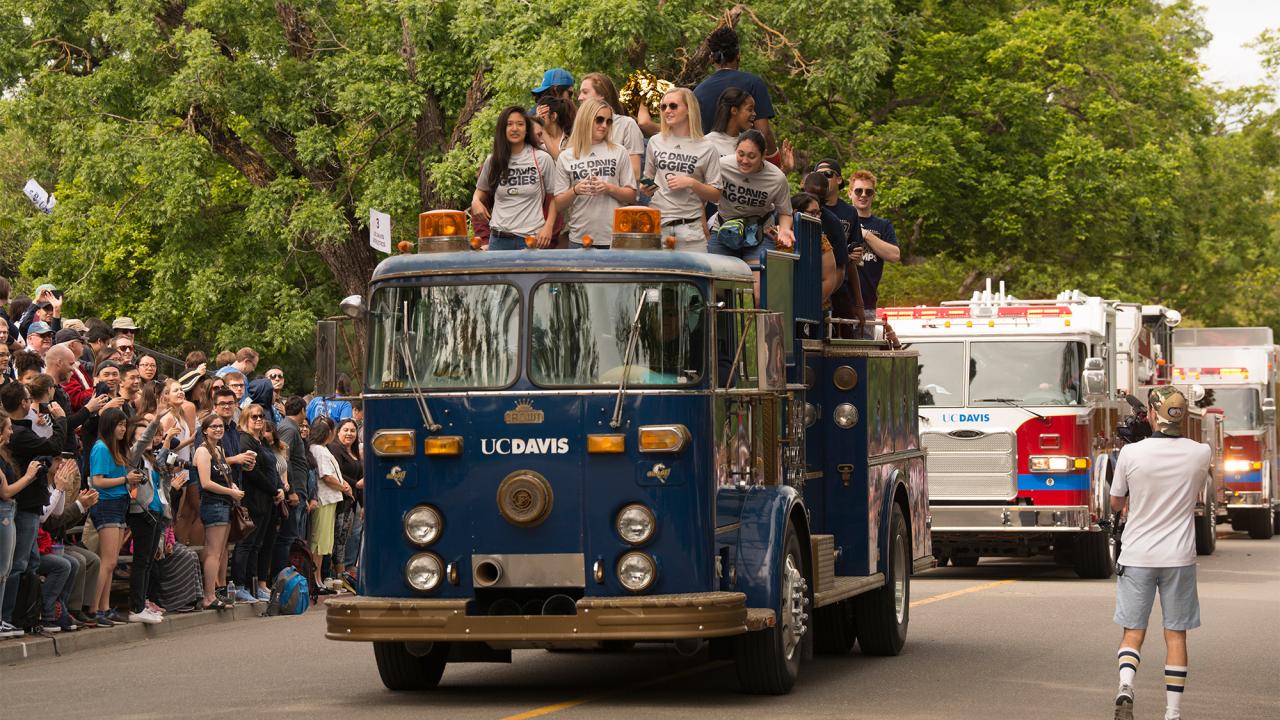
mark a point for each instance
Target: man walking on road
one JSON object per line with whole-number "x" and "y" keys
{"x": 1162, "y": 477}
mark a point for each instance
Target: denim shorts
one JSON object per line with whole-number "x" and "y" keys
{"x": 109, "y": 513}
{"x": 1136, "y": 593}
{"x": 499, "y": 240}
{"x": 214, "y": 513}
{"x": 749, "y": 255}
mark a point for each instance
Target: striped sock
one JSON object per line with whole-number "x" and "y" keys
{"x": 1175, "y": 680}
{"x": 1129, "y": 660}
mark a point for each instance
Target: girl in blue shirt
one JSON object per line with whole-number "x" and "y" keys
{"x": 110, "y": 476}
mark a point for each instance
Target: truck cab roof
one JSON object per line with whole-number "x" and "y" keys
{"x": 549, "y": 261}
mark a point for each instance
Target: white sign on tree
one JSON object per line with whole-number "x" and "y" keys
{"x": 39, "y": 196}
{"x": 380, "y": 231}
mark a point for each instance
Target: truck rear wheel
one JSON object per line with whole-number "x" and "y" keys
{"x": 1260, "y": 525}
{"x": 1096, "y": 555}
{"x": 883, "y": 614}
{"x": 768, "y": 661}
{"x": 1207, "y": 532}
{"x": 404, "y": 670}
{"x": 835, "y": 628}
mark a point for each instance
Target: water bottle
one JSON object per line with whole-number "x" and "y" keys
{"x": 231, "y": 590}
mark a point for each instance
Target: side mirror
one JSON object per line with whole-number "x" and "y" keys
{"x": 352, "y": 306}
{"x": 1196, "y": 394}
{"x": 771, "y": 352}
{"x": 1269, "y": 410}
{"x": 327, "y": 358}
{"x": 1094, "y": 378}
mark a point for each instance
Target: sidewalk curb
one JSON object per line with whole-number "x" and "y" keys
{"x": 32, "y": 647}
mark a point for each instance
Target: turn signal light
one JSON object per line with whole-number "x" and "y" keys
{"x": 442, "y": 223}
{"x": 1082, "y": 463}
{"x": 606, "y": 443}
{"x": 637, "y": 219}
{"x": 393, "y": 443}
{"x": 444, "y": 445}
{"x": 663, "y": 438}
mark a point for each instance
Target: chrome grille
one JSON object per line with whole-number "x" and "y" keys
{"x": 971, "y": 468}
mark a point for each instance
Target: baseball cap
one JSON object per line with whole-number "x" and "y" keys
{"x": 39, "y": 328}
{"x": 554, "y": 77}
{"x": 66, "y": 335}
{"x": 74, "y": 324}
{"x": 124, "y": 323}
{"x": 831, "y": 164}
{"x": 1170, "y": 407}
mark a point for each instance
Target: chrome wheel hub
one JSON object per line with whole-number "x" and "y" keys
{"x": 795, "y": 601}
{"x": 899, "y": 580}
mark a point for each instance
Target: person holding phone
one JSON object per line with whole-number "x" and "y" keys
{"x": 217, "y": 491}
{"x": 593, "y": 176}
{"x": 110, "y": 475}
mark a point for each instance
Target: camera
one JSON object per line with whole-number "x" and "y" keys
{"x": 167, "y": 461}
{"x": 1134, "y": 427}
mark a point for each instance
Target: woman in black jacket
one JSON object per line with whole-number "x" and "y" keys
{"x": 261, "y": 491}
{"x": 346, "y": 450}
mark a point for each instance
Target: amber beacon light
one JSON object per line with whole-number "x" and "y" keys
{"x": 636, "y": 227}
{"x": 442, "y": 231}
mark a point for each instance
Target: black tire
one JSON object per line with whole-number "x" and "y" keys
{"x": 402, "y": 670}
{"x": 835, "y": 628}
{"x": 1206, "y": 532}
{"x": 763, "y": 663}
{"x": 883, "y": 615}
{"x": 1275, "y": 521}
{"x": 965, "y": 560}
{"x": 1095, "y": 555}
{"x": 1260, "y": 525}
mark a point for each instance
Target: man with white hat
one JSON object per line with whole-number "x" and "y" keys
{"x": 1162, "y": 477}
{"x": 124, "y": 325}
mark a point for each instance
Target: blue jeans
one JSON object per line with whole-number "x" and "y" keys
{"x": 8, "y": 538}
{"x": 751, "y": 256}
{"x": 57, "y": 572}
{"x": 290, "y": 530}
{"x": 352, "y": 555}
{"x": 27, "y": 524}
{"x": 505, "y": 241}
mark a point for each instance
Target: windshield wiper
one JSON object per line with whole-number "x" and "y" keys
{"x": 418, "y": 396}
{"x": 647, "y": 296}
{"x": 1014, "y": 403}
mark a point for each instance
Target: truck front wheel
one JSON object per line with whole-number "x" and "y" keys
{"x": 883, "y": 614}
{"x": 768, "y": 661}
{"x": 1095, "y": 555}
{"x": 1207, "y": 531}
{"x": 401, "y": 669}
{"x": 1261, "y": 525}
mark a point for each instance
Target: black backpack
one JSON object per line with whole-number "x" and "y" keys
{"x": 26, "y": 611}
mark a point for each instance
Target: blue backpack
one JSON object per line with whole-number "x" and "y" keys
{"x": 289, "y": 594}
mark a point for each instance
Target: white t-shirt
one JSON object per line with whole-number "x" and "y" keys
{"x": 669, "y": 156}
{"x": 725, "y": 144}
{"x": 754, "y": 195}
{"x": 326, "y": 465}
{"x": 517, "y": 201}
{"x": 593, "y": 214}
{"x": 1163, "y": 478}
{"x": 626, "y": 132}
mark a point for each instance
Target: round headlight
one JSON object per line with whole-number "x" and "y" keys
{"x": 423, "y": 571}
{"x": 845, "y": 415}
{"x": 422, "y": 525}
{"x": 635, "y": 524}
{"x": 810, "y": 414}
{"x": 636, "y": 571}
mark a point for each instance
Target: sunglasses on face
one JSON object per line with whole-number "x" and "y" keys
{"x": 669, "y": 106}
{"x": 828, "y": 173}
{"x": 124, "y": 348}
{"x": 601, "y": 120}
{"x": 277, "y": 376}
{"x": 864, "y": 192}
{"x": 255, "y": 417}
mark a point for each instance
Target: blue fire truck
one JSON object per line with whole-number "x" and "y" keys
{"x": 589, "y": 448}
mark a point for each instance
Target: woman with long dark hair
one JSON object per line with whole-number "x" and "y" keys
{"x": 217, "y": 492}
{"x": 262, "y": 490}
{"x": 110, "y": 475}
{"x": 557, "y": 124}
{"x": 330, "y": 490}
{"x": 515, "y": 180}
{"x": 735, "y": 114}
{"x": 346, "y": 450}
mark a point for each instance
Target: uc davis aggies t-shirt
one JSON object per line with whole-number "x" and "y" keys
{"x": 593, "y": 214}
{"x": 669, "y": 156}
{"x": 754, "y": 195}
{"x": 517, "y": 202}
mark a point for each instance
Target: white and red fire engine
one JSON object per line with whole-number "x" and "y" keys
{"x": 1020, "y": 401}
{"x": 1237, "y": 368}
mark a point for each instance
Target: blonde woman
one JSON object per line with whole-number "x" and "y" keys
{"x": 593, "y": 176}
{"x": 681, "y": 171}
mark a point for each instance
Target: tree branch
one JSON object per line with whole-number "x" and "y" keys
{"x": 477, "y": 96}
{"x": 248, "y": 161}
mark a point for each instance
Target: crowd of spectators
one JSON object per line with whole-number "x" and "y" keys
{"x": 122, "y": 467}
{"x": 711, "y": 165}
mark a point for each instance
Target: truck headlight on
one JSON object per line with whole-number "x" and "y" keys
{"x": 1239, "y": 466}
{"x": 422, "y": 525}
{"x": 1049, "y": 463}
{"x": 636, "y": 571}
{"x": 845, "y": 415}
{"x": 635, "y": 524}
{"x": 423, "y": 571}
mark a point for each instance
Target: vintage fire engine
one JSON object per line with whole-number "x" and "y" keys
{"x": 1020, "y": 402}
{"x": 586, "y": 448}
{"x": 1237, "y": 368}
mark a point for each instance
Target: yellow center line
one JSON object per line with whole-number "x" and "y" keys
{"x": 557, "y": 707}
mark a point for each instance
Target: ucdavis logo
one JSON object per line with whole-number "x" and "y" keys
{"x": 966, "y": 417}
{"x": 521, "y": 446}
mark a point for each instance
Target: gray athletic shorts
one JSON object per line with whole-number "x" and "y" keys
{"x": 1179, "y": 602}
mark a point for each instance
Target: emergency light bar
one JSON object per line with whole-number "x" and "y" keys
{"x": 1219, "y": 371}
{"x": 929, "y": 313}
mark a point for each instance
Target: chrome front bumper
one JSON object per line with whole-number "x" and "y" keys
{"x": 1011, "y": 518}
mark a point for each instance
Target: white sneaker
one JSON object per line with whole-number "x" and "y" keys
{"x": 9, "y": 631}
{"x": 146, "y": 616}
{"x": 1124, "y": 703}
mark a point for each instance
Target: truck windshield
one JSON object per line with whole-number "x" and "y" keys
{"x": 460, "y": 336}
{"x": 941, "y": 373}
{"x": 1025, "y": 372}
{"x": 579, "y": 333}
{"x": 1241, "y": 406}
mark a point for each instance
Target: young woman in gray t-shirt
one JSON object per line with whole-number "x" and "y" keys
{"x": 515, "y": 179}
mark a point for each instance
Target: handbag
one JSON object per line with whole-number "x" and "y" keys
{"x": 241, "y": 524}
{"x": 739, "y": 233}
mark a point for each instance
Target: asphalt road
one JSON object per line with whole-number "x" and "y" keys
{"x": 1002, "y": 640}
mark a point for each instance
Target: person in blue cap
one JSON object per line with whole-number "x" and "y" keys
{"x": 556, "y": 82}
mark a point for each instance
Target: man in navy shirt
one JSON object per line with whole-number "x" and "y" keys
{"x": 880, "y": 243}
{"x": 723, "y": 44}
{"x": 838, "y": 220}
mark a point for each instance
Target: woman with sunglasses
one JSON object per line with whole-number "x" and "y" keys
{"x": 681, "y": 168}
{"x": 262, "y": 491}
{"x": 217, "y": 491}
{"x": 624, "y": 131}
{"x": 593, "y": 177}
{"x": 735, "y": 114}
{"x": 515, "y": 180}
